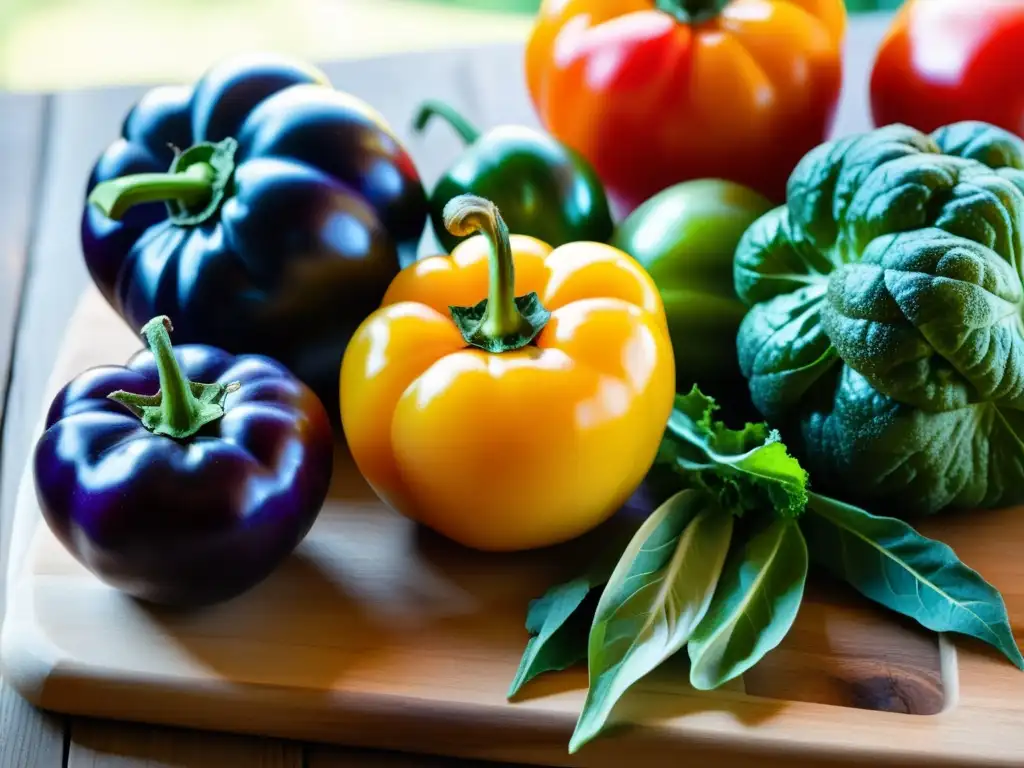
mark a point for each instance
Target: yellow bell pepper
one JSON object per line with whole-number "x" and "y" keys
{"x": 509, "y": 396}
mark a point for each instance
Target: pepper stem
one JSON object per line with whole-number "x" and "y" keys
{"x": 181, "y": 407}
{"x": 193, "y": 188}
{"x": 430, "y": 109}
{"x": 692, "y": 11}
{"x": 190, "y": 187}
{"x": 502, "y": 322}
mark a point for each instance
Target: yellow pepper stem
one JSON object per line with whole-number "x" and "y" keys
{"x": 502, "y": 322}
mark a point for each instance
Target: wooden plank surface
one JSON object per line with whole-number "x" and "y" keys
{"x": 99, "y": 744}
{"x": 21, "y": 153}
{"x": 21, "y": 145}
{"x": 28, "y": 738}
{"x": 55, "y": 277}
{"x": 332, "y": 757}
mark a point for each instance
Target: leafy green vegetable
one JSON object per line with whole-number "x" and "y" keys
{"x": 744, "y": 469}
{"x": 685, "y": 579}
{"x": 754, "y": 605}
{"x": 658, "y": 593}
{"x": 557, "y": 644}
{"x": 558, "y": 622}
{"x": 889, "y": 562}
{"x": 884, "y": 324}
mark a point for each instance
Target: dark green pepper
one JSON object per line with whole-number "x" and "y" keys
{"x": 542, "y": 188}
{"x": 685, "y": 237}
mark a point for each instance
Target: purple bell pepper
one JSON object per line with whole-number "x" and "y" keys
{"x": 188, "y": 475}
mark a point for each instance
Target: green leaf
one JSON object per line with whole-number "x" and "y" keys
{"x": 746, "y": 469}
{"x": 559, "y": 622}
{"x": 984, "y": 142}
{"x": 658, "y": 593}
{"x": 783, "y": 351}
{"x": 889, "y": 562}
{"x": 754, "y": 605}
{"x": 923, "y": 315}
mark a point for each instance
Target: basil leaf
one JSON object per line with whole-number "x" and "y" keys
{"x": 746, "y": 469}
{"x": 657, "y": 594}
{"x": 889, "y": 562}
{"x": 558, "y": 622}
{"x": 754, "y": 605}
{"x": 560, "y": 619}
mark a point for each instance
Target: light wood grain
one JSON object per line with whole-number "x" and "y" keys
{"x": 101, "y": 744}
{"x": 845, "y": 651}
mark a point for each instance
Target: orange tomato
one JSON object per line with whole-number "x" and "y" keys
{"x": 655, "y": 92}
{"x": 524, "y": 447}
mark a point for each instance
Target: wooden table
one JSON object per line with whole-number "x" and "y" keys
{"x": 48, "y": 143}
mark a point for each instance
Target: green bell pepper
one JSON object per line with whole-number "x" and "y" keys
{"x": 685, "y": 237}
{"x": 542, "y": 188}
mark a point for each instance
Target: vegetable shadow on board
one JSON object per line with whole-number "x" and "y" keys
{"x": 664, "y": 695}
{"x": 327, "y": 629}
{"x": 303, "y": 605}
{"x": 499, "y": 583}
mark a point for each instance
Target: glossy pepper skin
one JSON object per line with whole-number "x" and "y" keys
{"x": 947, "y": 61}
{"x": 279, "y": 226}
{"x": 656, "y": 92}
{"x": 193, "y": 496}
{"x": 509, "y": 426}
{"x": 542, "y": 188}
{"x": 685, "y": 237}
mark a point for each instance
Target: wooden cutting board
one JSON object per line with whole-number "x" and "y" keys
{"x": 379, "y": 634}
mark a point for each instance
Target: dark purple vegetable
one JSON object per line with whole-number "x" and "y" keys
{"x": 261, "y": 210}
{"x": 188, "y": 475}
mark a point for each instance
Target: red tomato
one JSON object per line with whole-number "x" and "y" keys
{"x": 943, "y": 61}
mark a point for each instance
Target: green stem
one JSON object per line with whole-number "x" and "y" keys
{"x": 692, "y": 11}
{"x": 430, "y": 109}
{"x": 198, "y": 181}
{"x": 181, "y": 407}
{"x": 191, "y": 187}
{"x": 467, "y": 214}
{"x": 178, "y": 404}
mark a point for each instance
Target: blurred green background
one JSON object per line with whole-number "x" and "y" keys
{"x": 59, "y": 44}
